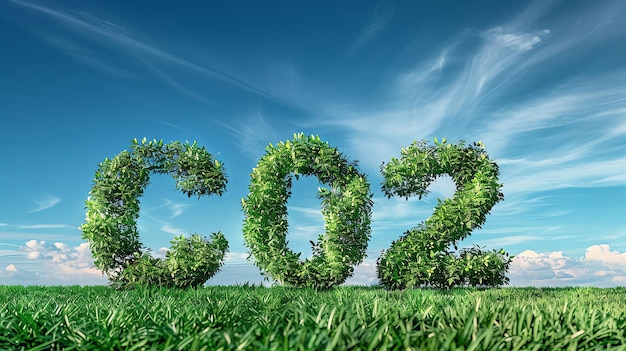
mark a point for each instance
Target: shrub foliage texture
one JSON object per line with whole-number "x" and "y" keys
{"x": 346, "y": 207}
{"x": 113, "y": 209}
{"x": 421, "y": 256}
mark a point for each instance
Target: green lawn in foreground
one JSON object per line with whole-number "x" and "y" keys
{"x": 279, "y": 318}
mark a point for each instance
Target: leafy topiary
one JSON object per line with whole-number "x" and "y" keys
{"x": 113, "y": 209}
{"x": 346, "y": 208}
{"x": 420, "y": 257}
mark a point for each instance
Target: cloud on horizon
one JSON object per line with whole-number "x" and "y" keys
{"x": 62, "y": 264}
{"x": 600, "y": 266}
{"x": 54, "y": 264}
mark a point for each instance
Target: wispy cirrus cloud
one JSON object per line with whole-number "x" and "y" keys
{"x": 507, "y": 240}
{"x": 596, "y": 102}
{"x": 305, "y": 232}
{"x": 420, "y": 104}
{"x": 47, "y": 201}
{"x": 88, "y": 57}
{"x": 170, "y": 80}
{"x": 383, "y": 13}
{"x": 426, "y": 72}
{"x": 254, "y": 135}
{"x": 518, "y": 42}
{"x": 176, "y": 209}
{"x": 171, "y": 230}
{"x": 496, "y": 63}
{"x": 567, "y": 158}
{"x": 176, "y": 127}
{"x": 118, "y": 39}
{"x": 311, "y": 213}
{"x": 587, "y": 175}
{"x": 479, "y": 77}
{"x": 42, "y": 226}
{"x": 7, "y": 244}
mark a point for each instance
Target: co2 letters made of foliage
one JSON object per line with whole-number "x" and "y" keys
{"x": 419, "y": 258}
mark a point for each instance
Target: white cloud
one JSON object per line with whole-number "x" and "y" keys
{"x": 46, "y": 202}
{"x": 236, "y": 258}
{"x": 160, "y": 253}
{"x": 34, "y": 245}
{"x": 3, "y": 224}
{"x": 364, "y": 273}
{"x": 600, "y": 267}
{"x": 62, "y": 262}
{"x": 602, "y": 254}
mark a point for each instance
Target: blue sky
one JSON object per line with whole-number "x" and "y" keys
{"x": 541, "y": 83}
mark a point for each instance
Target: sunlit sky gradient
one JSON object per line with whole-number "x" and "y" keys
{"x": 541, "y": 83}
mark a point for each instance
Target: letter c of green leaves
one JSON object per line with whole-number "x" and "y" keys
{"x": 113, "y": 209}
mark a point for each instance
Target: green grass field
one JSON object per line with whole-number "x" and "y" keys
{"x": 279, "y": 318}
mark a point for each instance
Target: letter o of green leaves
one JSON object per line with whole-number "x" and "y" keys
{"x": 420, "y": 257}
{"x": 113, "y": 209}
{"x": 346, "y": 208}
